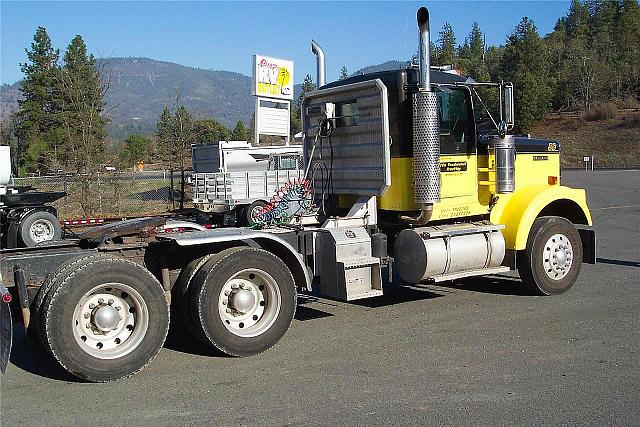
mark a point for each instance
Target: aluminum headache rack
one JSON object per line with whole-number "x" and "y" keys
{"x": 231, "y": 188}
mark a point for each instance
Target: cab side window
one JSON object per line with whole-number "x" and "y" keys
{"x": 456, "y": 122}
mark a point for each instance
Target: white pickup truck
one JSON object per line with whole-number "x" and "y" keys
{"x": 235, "y": 180}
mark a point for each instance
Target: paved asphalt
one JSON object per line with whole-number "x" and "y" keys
{"x": 477, "y": 352}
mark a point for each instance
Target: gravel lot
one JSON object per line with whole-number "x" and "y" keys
{"x": 478, "y": 351}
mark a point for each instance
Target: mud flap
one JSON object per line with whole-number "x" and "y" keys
{"x": 6, "y": 335}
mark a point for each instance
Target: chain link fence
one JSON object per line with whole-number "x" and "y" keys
{"x": 112, "y": 194}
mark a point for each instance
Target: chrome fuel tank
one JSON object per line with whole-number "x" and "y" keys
{"x": 427, "y": 252}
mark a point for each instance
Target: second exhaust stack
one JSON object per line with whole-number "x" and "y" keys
{"x": 426, "y": 128}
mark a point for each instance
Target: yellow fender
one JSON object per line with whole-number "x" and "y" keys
{"x": 518, "y": 210}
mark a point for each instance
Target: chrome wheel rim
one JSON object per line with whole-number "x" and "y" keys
{"x": 255, "y": 212}
{"x": 41, "y": 230}
{"x": 249, "y": 303}
{"x": 557, "y": 256}
{"x": 110, "y": 321}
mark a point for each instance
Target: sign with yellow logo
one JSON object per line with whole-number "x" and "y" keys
{"x": 272, "y": 77}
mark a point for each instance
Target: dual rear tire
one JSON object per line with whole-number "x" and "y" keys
{"x": 104, "y": 318}
{"x": 240, "y": 301}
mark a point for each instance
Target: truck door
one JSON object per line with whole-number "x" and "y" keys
{"x": 458, "y": 160}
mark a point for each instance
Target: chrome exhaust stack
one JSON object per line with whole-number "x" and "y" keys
{"x": 320, "y": 67}
{"x": 426, "y": 132}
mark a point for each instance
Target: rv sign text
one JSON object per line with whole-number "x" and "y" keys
{"x": 272, "y": 77}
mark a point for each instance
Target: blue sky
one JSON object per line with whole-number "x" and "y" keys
{"x": 224, "y": 35}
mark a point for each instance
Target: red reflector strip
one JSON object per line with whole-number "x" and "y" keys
{"x": 83, "y": 221}
{"x": 7, "y": 297}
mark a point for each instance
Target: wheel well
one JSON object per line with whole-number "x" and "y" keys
{"x": 289, "y": 259}
{"x": 565, "y": 208}
{"x": 186, "y": 255}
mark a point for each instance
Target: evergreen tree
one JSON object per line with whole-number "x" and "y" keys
{"x": 209, "y": 130}
{"x": 239, "y": 132}
{"x": 36, "y": 124}
{"x": 136, "y": 150}
{"x": 446, "y": 46}
{"x": 307, "y": 86}
{"x": 80, "y": 91}
{"x": 344, "y": 74}
{"x": 81, "y": 106}
{"x": 165, "y": 146}
{"x": 524, "y": 63}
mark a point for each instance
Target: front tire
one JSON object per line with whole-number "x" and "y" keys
{"x": 105, "y": 320}
{"x": 551, "y": 262}
{"x": 243, "y": 301}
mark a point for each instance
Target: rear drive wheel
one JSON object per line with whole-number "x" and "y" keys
{"x": 105, "y": 320}
{"x": 551, "y": 262}
{"x": 39, "y": 227}
{"x": 244, "y": 301}
{"x": 183, "y": 286}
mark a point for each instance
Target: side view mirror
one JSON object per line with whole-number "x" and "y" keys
{"x": 508, "y": 107}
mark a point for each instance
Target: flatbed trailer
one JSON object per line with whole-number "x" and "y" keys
{"x": 440, "y": 203}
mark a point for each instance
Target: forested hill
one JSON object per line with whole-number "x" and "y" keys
{"x": 141, "y": 87}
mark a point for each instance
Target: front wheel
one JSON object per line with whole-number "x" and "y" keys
{"x": 551, "y": 261}
{"x": 106, "y": 319}
{"x": 243, "y": 300}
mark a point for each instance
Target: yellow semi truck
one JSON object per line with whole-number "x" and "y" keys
{"x": 400, "y": 186}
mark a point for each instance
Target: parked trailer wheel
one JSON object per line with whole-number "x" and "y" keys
{"x": 244, "y": 301}
{"x": 38, "y": 227}
{"x": 551, "y": 262}
{"x": 250, "y": 212}
{"x": 105, "y": 320}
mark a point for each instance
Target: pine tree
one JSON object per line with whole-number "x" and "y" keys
{"x": 307, "y": 86}
{"x": 36, "y": 123}
{"x": 136, "y": 150}
{"x": 210, "y": 130}
{"x": 81, "y": 94}
{"x": 239, "y": 132}
{"x": 446, "y": 46}
{"x": 524, "y": 63}
{"x": 80, "y": 90}
{"x": 344, "y": 74}
{"x": 165, "y": 148}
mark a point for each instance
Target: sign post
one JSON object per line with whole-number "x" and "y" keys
{"x": 273, "y": 88}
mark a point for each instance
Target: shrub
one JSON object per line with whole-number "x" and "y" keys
{"x": 602, "y": 112}
{"x": 631, "y": 120}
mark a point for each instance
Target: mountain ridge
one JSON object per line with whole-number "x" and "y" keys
{"x": 140, "y": 87}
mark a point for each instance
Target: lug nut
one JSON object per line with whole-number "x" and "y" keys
{"x": 224, "y": 302}
{"x": 226, "y": 293}
{"x": 88, "y": 325}
{"x": 234, "y": 286}
{"x": 101, "y": 300}
{"x": 228, "y": 310}
{"x": 110, "y": 301}
{"x": 86, "y": 315}
{"x": 92, "y": 305}
{"x": 118, "y": 307}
